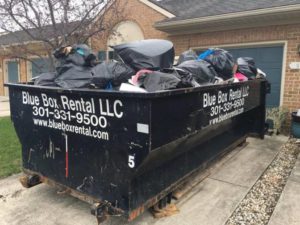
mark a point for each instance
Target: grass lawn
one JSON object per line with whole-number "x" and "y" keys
{"x": 10, "y": 149}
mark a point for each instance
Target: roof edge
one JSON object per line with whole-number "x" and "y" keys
{"x": 227, "y": 16}
{"x": 158, "y": 9}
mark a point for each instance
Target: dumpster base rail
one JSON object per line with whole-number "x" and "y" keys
{"x": 104, "y": 209}
{"x": 101, "y": 209}
{"x": 186, "y": 180}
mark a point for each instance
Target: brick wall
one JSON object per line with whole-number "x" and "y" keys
{"x": 23, "y": 70}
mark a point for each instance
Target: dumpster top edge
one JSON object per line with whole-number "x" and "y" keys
{"x": 127, "y": 94}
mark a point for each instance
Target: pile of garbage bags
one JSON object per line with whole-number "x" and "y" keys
{"x": 146, "y": 66}
{"x": 77, "y": 68}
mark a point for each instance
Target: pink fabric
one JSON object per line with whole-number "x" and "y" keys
{"x": 135, "y": 78}
{"x": 240, "y": 77}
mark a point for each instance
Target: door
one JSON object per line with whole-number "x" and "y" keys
{"x": 269, "y": 60}
{"x": 12, "y": 73}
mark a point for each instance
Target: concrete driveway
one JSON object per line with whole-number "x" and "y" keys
{"x": 4, "y": 106}
{"x": 210, "y": 203}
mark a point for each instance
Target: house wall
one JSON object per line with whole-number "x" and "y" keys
{"x": 136, "y": 11}
{"x": 288, "y": 34}
{"x": 145, "y": 17}
{"x": 22, "y": 72}
{"x": 1, "y": 77}
{"x": 7, "y": 55}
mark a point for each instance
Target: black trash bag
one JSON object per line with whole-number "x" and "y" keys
{"x": 76, "y": 77}
{"x": 246, "y": 66}
{"x": 87, "y": 54}
{"x": 114, "y": 72}
{"x": 67, "y": 55}
{"x": 80, "y": 55}
{"x": 158, "y": 81}
{"x": 202, "y": 71}
{"x": 75, "y": 67}
{"x": 222, "y": 61}
{"x": 147, "y": 54}
{"x": 187, "y": 56}
{"x": 60, "y": 69}
{"x": 187, "y": 79}
{"x": 46, "y": 79}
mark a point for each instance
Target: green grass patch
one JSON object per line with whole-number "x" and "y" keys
{"x": 10, "y": 149}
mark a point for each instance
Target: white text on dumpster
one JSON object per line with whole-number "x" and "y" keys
{"x": 225, "y": 104}
{"x": 91, "y": 112}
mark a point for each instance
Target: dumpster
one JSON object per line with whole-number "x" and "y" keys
{"x": 124, "y": 152}
{"x": 295, "y": 125}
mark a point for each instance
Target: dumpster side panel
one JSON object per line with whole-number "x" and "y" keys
{"x": 88, "y": 142}
{"x": 175, "y": 118}
{"x": 193, "y": 129}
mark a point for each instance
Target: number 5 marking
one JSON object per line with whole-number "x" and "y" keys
{"x": 131, "y": 162}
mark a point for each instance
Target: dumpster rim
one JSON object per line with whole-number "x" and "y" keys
{"x": 148, "y": 95}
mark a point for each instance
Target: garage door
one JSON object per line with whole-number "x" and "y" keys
{"x": 268, "y": 59}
